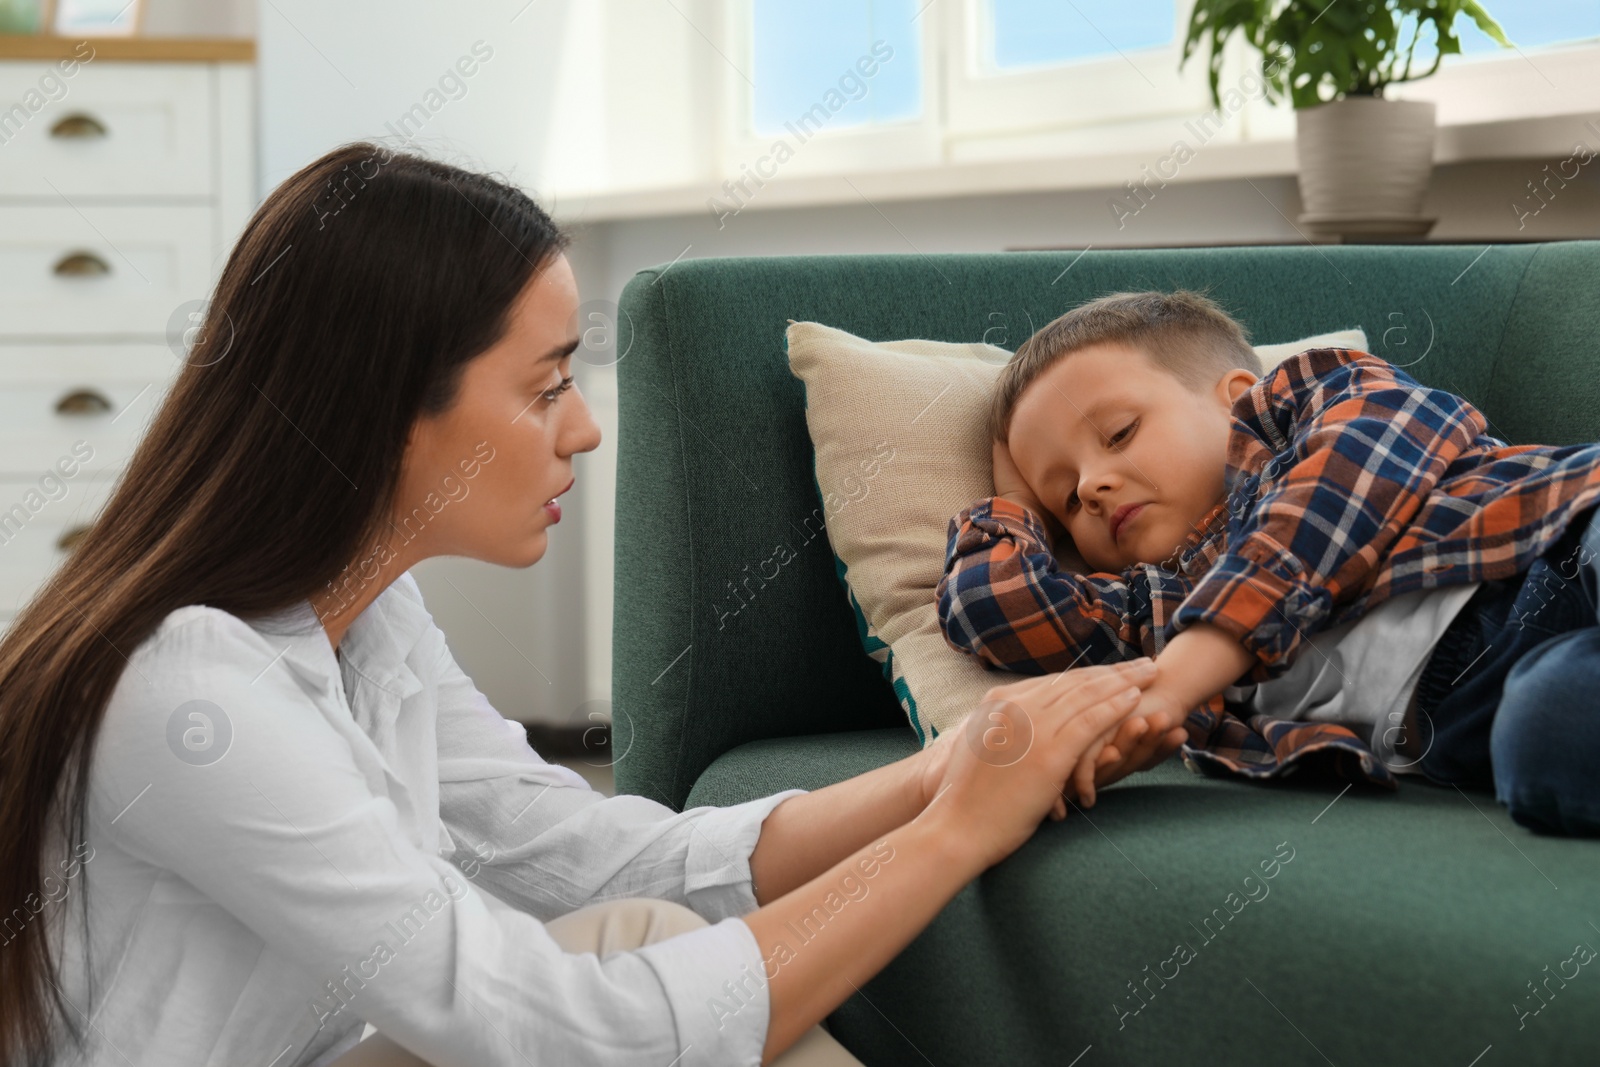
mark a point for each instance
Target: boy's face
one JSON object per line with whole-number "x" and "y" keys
{"x": 1105, "y": 428}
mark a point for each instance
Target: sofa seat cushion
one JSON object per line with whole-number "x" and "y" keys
{"x": 1395, "y": 928}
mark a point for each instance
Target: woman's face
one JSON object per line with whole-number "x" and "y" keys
{"x": 480, "y": 479}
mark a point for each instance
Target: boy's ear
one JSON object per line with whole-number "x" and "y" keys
{"x": 1234, "y": 384}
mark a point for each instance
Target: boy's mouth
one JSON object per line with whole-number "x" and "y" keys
{"x": 1121, "y": 516}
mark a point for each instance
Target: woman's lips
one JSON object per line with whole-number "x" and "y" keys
{"x": 552, "y": 507}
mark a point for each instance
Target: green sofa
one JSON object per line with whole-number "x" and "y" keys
{"x": 1405, "y": 928}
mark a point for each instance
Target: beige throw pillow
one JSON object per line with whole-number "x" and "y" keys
{"x": 910, "y": 414}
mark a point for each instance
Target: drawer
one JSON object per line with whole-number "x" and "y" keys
{"x": 97, "y": 269}
{"x": 99, "y": 422}
{"x": 108, "y": 129}
{"x": 67, "y": 363}
{"x": 33, "y": 527}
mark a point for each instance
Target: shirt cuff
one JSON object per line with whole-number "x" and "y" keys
{"x": 992, "y": 518}
{"x": 717, "y": 867}
{"x": 1265, "y": 603}
{"x": 716, "y": 984}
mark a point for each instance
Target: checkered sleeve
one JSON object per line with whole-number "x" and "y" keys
{"x": 1357, "y": 446}
{"x": 1004, "y": 600}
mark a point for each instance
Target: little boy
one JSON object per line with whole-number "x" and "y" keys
{"x": 1445, "y": 581}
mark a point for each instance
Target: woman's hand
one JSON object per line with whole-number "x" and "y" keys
{"x": 987, "y": 785}
{"x": 1003, "y": 771}
{"x": 1154, "y": 732}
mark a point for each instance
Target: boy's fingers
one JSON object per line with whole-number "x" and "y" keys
{"x": 1173, "y": 741}
{"x": 1150, "y": 741}
{"x": 1167, "y": 744}
{"x": 1083, "y": 775}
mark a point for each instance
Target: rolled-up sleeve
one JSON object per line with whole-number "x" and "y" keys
{"x": 714, "y": 978}
{"x": 1004, "y": 600}
{"x": 287, "y": 835}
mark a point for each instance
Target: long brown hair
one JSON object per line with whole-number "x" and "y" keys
{"x": 349, "y": 306}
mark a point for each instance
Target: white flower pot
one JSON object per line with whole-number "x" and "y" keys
{"x": 1364, "y": 165}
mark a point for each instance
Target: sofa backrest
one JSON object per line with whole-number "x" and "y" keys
{"x": 713, "y": 650}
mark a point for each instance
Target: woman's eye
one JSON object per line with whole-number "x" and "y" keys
{"x": 552, "y": 394}
{"x": 1072, "y": 501}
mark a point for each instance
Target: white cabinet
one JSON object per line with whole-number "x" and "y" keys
{"x": 115, "y": 130}
{"x": 122, "y": 188}
{"x": 102, "y": 268}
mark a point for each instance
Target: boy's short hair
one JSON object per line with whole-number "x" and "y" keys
{"x": 1184, "y": 333}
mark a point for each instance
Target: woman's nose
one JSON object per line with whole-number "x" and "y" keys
{"x": 583, "y": 433}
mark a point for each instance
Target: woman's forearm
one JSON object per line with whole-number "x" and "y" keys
{"x": 824, "y": 939}
{"x": 808, "y": 834}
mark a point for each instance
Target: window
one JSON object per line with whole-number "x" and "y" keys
{"x": 1029, "y": 65}
{"x": 1531, "y": 23}
{"x": 833, "y": 85}
{"x": 1032, "y": 33}
{"x": 1549, "y": 73}
{"x": 828, "y": 51}
{"x": 841, "y": 85}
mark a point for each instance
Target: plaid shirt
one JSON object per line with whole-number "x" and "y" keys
{"x": 1347, "y": 482}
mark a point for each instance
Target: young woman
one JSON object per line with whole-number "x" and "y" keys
{"x": 250, "y": 801}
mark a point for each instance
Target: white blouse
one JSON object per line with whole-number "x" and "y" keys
{"x": 285, "y": 846}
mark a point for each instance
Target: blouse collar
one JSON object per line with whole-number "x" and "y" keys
{"x": 375, "y": 645}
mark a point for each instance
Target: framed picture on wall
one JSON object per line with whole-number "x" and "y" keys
{"x": 94, "y": 18}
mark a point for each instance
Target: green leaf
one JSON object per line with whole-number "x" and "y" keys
{"x": 1488, "y": 25}
{"x": 1330, "y": 48}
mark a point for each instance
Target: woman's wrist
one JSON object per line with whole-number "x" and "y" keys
{"x": 925, "y": 772}
{"x": 940, "y": 830}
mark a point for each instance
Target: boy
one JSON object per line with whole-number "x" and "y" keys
{"x": 1229, "y": 519}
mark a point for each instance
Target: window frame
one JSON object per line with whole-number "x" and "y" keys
{"x": 1061, "y": 111}
{"x": 1123, "y": 87}
{"x": 873, "y": 146}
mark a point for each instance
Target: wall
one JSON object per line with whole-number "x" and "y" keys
{"x": 331, "y": 73}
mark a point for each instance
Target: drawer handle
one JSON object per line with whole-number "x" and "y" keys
{"x": 70, "y": 537}
{"x": 78, "y": 124}
{"x": 81, "y": 265}
{"x": 83, "y": 402}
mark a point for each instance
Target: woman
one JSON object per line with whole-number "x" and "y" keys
{"x": 252, "y": 803}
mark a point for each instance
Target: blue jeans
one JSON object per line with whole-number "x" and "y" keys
{"x": 1510, "y": 696}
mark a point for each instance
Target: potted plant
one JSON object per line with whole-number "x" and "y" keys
{"x": 1364, "y": 159}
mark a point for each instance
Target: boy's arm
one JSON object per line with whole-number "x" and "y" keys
{"x": 1004, "y": 600}
{"x": 1198, "y": 664}
{"x": 1356, "y": 446}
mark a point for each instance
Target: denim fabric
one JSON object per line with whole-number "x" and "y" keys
{"x": 1508, "y": 698}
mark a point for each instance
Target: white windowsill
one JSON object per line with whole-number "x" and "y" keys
{"x": 1546, "y": 137}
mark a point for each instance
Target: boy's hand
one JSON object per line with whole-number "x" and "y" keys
{"x": 1153, "y": 733}
{"x": 1008, "y": 483}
